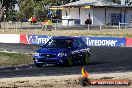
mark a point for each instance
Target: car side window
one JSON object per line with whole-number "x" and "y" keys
{"x": 83, "y": 43}
{"x": 79, "y": 43}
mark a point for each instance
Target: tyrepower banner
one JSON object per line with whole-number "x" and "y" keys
{"x": 34, "y": 39}
{"x": 128, "y": 41}
{"x": 104, "y": 41}
{"x": 90, "y": 41}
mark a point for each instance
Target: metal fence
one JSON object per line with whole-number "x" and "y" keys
{"x": 5, "y": 26}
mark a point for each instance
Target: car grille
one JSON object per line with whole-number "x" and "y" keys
{"x": 48, "y": 55}
{"x": 48, "y": 61}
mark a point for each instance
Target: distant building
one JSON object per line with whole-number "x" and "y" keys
{"x": 123, "y": 2}
{"x": 101, "y": 12}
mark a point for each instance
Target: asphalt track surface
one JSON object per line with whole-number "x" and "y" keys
{"x": 103, "y": 59}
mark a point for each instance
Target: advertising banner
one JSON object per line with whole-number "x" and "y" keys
{"x": 104, "y": 41}
{"x": 23, "y": 39}
{"x": 90, "y": 41}
{"x": 34, "y": 39}
{"x": 128, "y": 41}
{"x": 9, "y": 38}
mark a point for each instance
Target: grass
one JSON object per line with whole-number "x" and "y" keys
{"x": 14, "y": 59}
{"x": 63, "y": 32}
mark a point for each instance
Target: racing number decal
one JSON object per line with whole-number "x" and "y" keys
{"x": 78, "y": 54}
{"x": 81, "y": 50}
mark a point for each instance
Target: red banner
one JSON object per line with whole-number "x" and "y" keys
{"x": 129, "y": 42}
{"x": 23, "y": 39}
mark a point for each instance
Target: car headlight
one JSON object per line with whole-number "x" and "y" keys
{"x": 36, "y": 59}
{"x": 36, "y": 54}
{"x": 62, "y": 54}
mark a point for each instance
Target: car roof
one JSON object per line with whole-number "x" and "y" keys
{"x": 66, "y": 37}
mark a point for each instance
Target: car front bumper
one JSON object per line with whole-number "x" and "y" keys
{"x": 57, "y": 61}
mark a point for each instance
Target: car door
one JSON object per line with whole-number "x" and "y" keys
{"x": 77, "y": 50}
{"x": 81, "y": 48}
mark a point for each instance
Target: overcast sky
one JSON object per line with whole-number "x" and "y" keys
{"x": 16, "y": 7}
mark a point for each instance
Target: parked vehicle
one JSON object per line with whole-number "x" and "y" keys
{"x": 63, "y": 50}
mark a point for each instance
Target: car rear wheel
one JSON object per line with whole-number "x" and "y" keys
{"x": 69, "y": 61}
{"x": 39, "y": 65}
{"x": 86, "y": 59}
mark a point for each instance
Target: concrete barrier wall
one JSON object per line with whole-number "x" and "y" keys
{"x": 42, "y": 39}
{"x": 9, "y": 38}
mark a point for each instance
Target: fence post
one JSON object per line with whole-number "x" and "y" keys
{"x": 125, "y": 25}
{"x": 29, "y": 24}
{"x": 119, "y": 25}
{"x": 16, "y": 25}
{"x": 100, "y": 27}
{"x": 4, "y": 26}
{"x": 45, "y": 26}
{"x": 88, "y": 26}
{"x": 56, "y": 25}
{"x": 7, "y": 26}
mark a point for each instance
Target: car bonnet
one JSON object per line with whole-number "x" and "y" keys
{"x": 53, "y": 50}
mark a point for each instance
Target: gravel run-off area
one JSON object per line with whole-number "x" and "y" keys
{"x": 65, "y": 81}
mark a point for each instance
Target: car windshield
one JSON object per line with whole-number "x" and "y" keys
{"x": 59, "y": 43}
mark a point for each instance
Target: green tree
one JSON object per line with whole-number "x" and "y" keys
{"x": 128, "y": 2}
{"x": 37, "y": 8}
{"x": 116, "y": 1}
{"x": 8, "y": 3}
{"x": 12, "y": 15}
{"x": 26, "y": 8}
{"x": 5, "y": 7}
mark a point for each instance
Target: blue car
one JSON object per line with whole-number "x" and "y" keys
{"x": 63, "y": 50}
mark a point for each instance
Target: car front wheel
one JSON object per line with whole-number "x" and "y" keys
{"x": 86, "y": 59}
{"x": 69, "y": 61}
{"x": 39, "y": 65}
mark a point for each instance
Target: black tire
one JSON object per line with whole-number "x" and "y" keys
{"x": 69, "y": 61}
{"x": 84, "y": 82}
{"x": 86, "y": 59}
{"x": 39, "y": 65}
